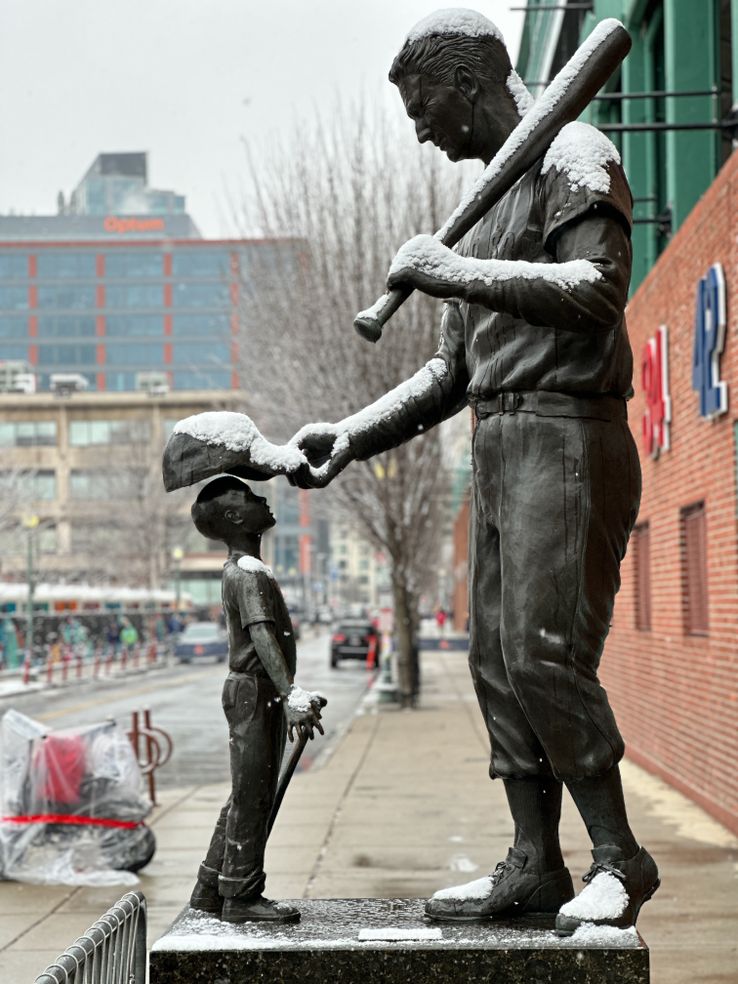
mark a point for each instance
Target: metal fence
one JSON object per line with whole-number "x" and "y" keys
{"x": 112, "y": 951}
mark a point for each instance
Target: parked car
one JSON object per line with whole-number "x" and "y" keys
{"x": 202, "y": 639}
{"x": 352, "y": 639}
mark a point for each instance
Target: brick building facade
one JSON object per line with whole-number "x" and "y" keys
{"x": 671, "y": 661}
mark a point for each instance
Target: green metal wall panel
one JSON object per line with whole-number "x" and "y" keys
{"x": 638, "y": 160}
{"x": 690, "y": 33}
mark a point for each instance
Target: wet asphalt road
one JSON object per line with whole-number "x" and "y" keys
{"x": 185, "y": 701}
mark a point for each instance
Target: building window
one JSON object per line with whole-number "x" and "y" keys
{"x": 69, "y": 356}
{"x": 200, "y": 325}
{"x": 90, "y": 485}
{"x": 28, "y": 434}
{"x": 207, "y": 379}
{"x": 47, "y": 539}
{"x": 136, "y": 326}
{"x": 190, "y": 295}
{"x": 76, "y": 326}
{"x": 641, "y": 547}
{"x": 40, "y": 485}
{"x": 200, "y": 262}
{"x": 66, "y": 297}
{"x": 13, "y": 266}
{"x": 63, "y": 263}
{"x": 13, "y": 298}
{"x": 135, "y": 296}
{"x": 86, "y": 432}
{"x": 213, "y": 353}
{"x": 13, "y": 328}
{"x": 16, "y": 352}
{"x": 87, "y": 537}
{"x": 144, "y": 354}
{"x": 694, "y": 569}
{"x": 138, "y": 264}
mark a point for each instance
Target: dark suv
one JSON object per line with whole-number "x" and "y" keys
{"x": 352, "y": 638}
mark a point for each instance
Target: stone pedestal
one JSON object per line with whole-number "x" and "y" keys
{"x": 384, "y": 940}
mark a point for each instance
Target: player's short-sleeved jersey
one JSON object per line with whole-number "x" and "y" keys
{"x": 580, "y": 175}
{"x": 252, "y": 595}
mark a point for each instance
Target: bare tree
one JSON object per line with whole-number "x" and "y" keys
{"x": 348, "y": 190}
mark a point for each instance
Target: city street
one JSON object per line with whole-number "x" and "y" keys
{"x": 185, "y": 701}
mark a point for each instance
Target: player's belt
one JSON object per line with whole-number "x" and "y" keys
{"x": 547, "y": 404}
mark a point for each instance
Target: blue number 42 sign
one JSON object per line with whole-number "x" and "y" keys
{"x": 709, "y": 341}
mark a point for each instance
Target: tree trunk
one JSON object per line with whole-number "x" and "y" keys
{"x": 407, "y": 650}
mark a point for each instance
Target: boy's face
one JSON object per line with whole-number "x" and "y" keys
{"x": 249, "y": 512}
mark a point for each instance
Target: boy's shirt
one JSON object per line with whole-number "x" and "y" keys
{"x": 251, "y": 594}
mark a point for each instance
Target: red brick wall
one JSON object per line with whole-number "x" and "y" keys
{"x": 674, "y": 694}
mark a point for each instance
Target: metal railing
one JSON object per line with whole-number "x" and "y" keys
{"x": 112, "y": 951}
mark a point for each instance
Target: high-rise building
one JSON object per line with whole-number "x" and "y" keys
{"x": 120, "y": 285}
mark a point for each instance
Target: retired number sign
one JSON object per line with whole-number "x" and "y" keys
{"x": 709, "y": 341}
{"x": 655, "y": 382}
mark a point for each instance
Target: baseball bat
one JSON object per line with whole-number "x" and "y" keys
{"x": 288, "y": 772}
{"x": 572, "y": 89}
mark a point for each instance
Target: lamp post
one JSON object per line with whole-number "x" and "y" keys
{"x": 30, "y": 524}
{"x": 177, "y": 555}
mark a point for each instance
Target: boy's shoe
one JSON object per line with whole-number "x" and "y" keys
{"x": 258, "y": 909}
{"x": 615, "y": 891}
{"x": 513, "y": 889}
{"x": 206, "y": 898}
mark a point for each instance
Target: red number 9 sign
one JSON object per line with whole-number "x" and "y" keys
{"x": 655, "y": 383}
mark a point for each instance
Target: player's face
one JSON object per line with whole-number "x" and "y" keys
{"x": 253, "y": 511}
{"x": 441, "y": 113}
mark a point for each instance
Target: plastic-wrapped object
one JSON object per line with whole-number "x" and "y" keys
{"x": 73, "y": 805}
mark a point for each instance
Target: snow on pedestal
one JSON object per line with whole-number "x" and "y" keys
{"x": 388, "y": 940}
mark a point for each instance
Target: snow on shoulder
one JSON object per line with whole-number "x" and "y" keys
{"x": 582, "y": 153}
{"x": 450, "y": 20}
{"x": 254, "y": 566}
{"x": 238, "y": 432}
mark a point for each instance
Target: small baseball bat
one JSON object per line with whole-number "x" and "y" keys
{"x": 289, "y": 771}
{"x": 566, "y": 96}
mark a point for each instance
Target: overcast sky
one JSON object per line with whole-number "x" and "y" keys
{"x": 185, "y": 80}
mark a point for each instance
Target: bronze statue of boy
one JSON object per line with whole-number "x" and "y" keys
{"x": 261, "y": 704}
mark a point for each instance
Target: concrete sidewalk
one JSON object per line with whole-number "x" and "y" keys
{"x": 402, "y": 807}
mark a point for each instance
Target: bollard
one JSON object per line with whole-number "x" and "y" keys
{"x": 124, "y": 659}
{"x": 152, "y": 653}
{"x": 27, "y": 670}
{"x": 136, "y": 656}
{"x": 49, "y": 670}
{"x": 65, "y": 666}
{"x": 109, "y": 661}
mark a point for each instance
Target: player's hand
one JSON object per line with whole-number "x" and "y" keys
{"x": 425, "y": 264}
{"x": 327, "y": 455}
{"x": 302, "y": 710}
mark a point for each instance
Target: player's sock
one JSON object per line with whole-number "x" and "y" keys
{"x": 535, "y": 805}
{"x": 601, "y": 804}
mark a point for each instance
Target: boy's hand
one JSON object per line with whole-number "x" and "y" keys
{"x": 302, "y": 710}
